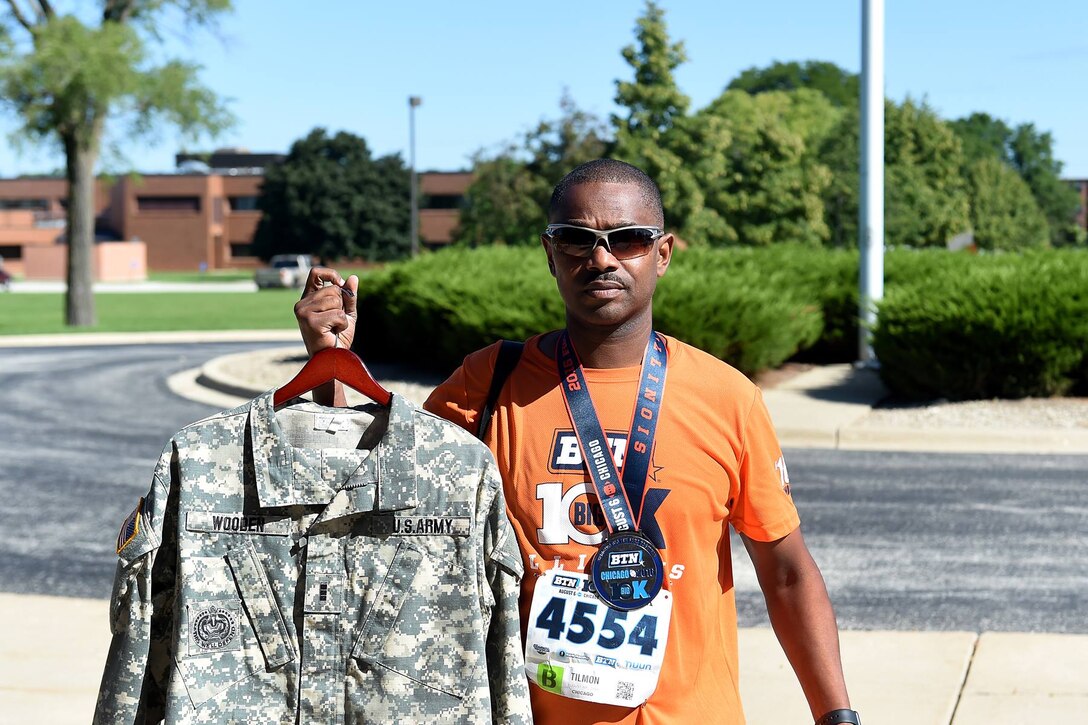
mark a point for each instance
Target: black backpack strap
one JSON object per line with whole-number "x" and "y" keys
{"x": 509, "y": 354}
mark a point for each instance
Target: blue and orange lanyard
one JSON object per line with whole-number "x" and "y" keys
{"x": 615, "y": 499}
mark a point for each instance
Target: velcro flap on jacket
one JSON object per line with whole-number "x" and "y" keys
{"x": 260, "y": 605}
{"x": 390, "y": 599}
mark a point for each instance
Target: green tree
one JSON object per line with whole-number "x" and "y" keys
{"x": 504, "y": 204}
{"x": 555, "y": 147}
{"x": 508, "y": 200}
{"x": 983, "y": 136}
{"x": 925, "y": 195}
{"x": 66, "y": 79}
{"x": 771, "y": 184}
{"x": 839, "y": 86}
{"x": 1004, "y": 214}
{"x": 653, "y": 100}
{"x": 655, "y": 134}
{"x": 1031, "y": 154}
{"x": 331, "y": 199}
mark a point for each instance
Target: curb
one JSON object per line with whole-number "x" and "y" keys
{"x": 1062, "y": 441}
{"x": 213, "y": 375}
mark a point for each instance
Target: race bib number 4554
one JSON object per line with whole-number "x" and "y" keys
{"x": 578, "y": 647}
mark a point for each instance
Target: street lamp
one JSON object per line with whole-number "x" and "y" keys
{"x": 871, "y": 197}
{"x": 413, "y": 101}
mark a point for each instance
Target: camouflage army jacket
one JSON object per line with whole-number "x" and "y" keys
{"x": 317, "y": 565}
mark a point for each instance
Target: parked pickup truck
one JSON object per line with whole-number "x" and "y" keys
{"x": 284, "y": 270}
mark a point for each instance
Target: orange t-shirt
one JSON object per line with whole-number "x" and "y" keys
{"x": 716, "y": 461}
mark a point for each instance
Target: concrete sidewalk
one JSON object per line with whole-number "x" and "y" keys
{"x": 51, "y": 664}
{"x": 832, "y": 406}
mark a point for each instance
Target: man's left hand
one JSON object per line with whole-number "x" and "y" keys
{"x": 327, "y": 315}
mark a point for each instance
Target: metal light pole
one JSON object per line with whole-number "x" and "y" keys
{"x": 413, "y": 101}
{"x": 871, "y": 207}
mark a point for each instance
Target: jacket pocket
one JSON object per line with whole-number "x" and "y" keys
{"x": 263, "y": 612}
{"x": 423, "y": 625}
{"x": 212, "y": 648}
{"x": 230, "y": 627}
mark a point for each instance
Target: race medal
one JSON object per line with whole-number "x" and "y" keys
{"x": 627, "y": 571}
{"x": 578, "y": 647}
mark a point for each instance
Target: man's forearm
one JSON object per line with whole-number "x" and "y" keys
{"x": 804, "y": 622}
{"x": 801, "y": 615}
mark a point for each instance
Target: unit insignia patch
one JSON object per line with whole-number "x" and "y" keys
{"x": 214, "y": 628}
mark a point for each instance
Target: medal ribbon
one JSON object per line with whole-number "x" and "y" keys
{"x": 596, "y": 452}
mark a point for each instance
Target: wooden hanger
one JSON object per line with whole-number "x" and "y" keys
{"x": 334, "y": 363}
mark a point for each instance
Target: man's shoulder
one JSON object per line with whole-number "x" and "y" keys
{"x": 481, "y": 363}
{"x": 483, "y": 357}
{"x": 467, "y": 387}
{"x": 703, "y": 367}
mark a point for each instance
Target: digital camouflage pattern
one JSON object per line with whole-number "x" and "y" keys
{"x": 317, "y": 584}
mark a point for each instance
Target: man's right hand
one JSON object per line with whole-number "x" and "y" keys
{"x": 326, "y": 315}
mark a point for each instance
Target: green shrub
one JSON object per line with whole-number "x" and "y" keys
{"x": 434, "y": 310}
{"x": 952, "y": 325}
{"x": 977, "y": 327}
{"x": 827, "y": 278}
{"x": 729, "y": 304}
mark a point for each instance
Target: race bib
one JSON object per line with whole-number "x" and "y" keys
{"x": 578, "y": 647}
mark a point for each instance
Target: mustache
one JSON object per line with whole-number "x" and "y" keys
{"x": 603, "y": 277}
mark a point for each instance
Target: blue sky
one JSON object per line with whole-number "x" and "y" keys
{"x": 488, "y": 70}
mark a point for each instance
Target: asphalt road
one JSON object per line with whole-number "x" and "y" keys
{"x": 80, "y": 431}
{"x": 905, "y": 540}
{"x": 925, "y": 541}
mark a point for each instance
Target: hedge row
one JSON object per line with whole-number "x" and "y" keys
{"x": 1005, "y": 326}
{"x": 956, "y": 326}
{"x": 434, "y": 310}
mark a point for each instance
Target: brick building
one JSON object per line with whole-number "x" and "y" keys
{"x": 203, "y": 217}
{"x": 442, "y": 194}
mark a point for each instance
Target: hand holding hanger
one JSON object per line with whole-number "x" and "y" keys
{"x": 329, "y": 305}
{"x": 328, "y": 310}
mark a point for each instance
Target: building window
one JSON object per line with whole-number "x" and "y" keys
{"x": 33, "y": 204}
{"x": 241, "y": 250}
{"x": 243, "y": 203}
{"x": 11, "y": 251}
{"x": 443, "y": 201}
{"x": 168, "y": 203}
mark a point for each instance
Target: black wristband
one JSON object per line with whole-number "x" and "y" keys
{"x": 838, "y": 716}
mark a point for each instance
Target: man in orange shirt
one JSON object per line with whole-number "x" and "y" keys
{"x": 628, "y": 611}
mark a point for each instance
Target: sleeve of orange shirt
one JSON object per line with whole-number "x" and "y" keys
{"x": 463, "y": 393}
{"x": 764, "y": 509}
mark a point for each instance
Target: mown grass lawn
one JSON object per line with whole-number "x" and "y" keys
{"x": 233, "y": 275}
{"x": 28, "y": 314}
{"x": 226, "y": 275}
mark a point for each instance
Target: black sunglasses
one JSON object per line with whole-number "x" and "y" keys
{"x": 621, "y": 242}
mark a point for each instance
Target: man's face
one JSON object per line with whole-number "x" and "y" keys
{"x": 601, "y": 290}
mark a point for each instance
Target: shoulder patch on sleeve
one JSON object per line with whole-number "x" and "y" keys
{"x": 130, "y": 528}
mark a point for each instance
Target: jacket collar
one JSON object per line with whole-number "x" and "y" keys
{"x": 287, "y": 476}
